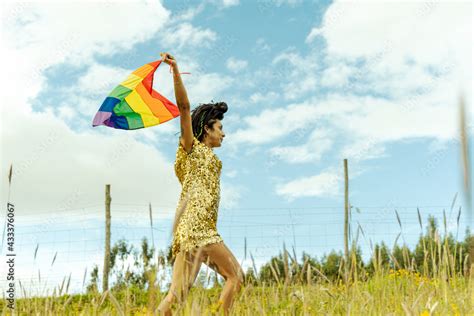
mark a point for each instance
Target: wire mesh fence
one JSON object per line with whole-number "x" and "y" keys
{"x": 52, "y": 246}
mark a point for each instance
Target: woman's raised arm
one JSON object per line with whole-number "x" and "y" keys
{"x": 183, "y": 104}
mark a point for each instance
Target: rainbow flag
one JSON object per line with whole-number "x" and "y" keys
{"x": 134, "y": 104}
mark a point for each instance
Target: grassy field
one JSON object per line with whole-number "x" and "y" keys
{"x": 435, "y": 278}
{"x": 385, "y": 293}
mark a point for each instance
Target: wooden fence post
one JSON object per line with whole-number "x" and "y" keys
{"x": 346, "y": 221}
{"x": 108, "y": 199}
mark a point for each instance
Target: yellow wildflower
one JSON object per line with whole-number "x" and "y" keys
{"x": 215, "y": 307}
{"x": 425, "y": 313}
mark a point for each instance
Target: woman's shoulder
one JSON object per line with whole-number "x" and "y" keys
{"x": 196, "y": 143}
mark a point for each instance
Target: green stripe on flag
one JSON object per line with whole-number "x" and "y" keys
{"x": 134, "y": 119}
{"x": 120, "y": 92}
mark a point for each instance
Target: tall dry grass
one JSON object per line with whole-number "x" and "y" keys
{"x": 445, "y": 288}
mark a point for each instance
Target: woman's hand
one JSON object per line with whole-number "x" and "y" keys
{"x": 168, "y": 59}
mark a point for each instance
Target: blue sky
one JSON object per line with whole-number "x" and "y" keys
{"x": 308, "y": 83}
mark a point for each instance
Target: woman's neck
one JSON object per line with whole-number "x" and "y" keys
{"x": 206, "y": 142}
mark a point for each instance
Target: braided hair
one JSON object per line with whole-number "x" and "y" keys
{"x": 206, "y": 115}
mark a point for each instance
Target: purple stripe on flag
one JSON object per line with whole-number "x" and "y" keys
{"x": 101, "y": 117}
{"x": 110, "y": 123}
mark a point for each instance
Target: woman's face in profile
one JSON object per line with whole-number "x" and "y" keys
{"x": 215, "y": 135}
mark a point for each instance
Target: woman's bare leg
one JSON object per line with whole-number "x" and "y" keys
{"x": 185, "y": 269}
{"x": 221, "y": 259}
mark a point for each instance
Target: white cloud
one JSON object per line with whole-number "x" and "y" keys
{"x": 53, "y": 276}
{"x": 230, "y": 195}
{"x": 265, "y": 5}
{"x": 336, "y": 75}
{"x": 230, "y": 3}
{"x": 67, "y": 112}
{"x": 231, "y": 173}
{"x": 297, "y": 90}
{"x": 261, "y": 47}
{"x": 412, "y": 29}
{"x": 72, "y": 40}
{"x": 362, "y": 149}
{"x": 188, "y": 13}
{"x": 319, "y": 142}
{"x": 236, "y": 65}
{"x": 207, "y": 87}
{"x": 395, "y": 33}
{"x": 315, "y": 32}
{"x": 264, "y": 97}
{"x": 326, "y": 183}
{"x": 387, "y": 121}
{"x": 191, "y": 12}
{"x": 187, "y": 35}
{"x": 271, "y": 124}
{"x": 293, "y": 57}
{"x": 300, "y": 74}
{"x": 100, "y": 79}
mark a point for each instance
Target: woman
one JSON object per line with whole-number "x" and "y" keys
{"x": 195, "y": 237}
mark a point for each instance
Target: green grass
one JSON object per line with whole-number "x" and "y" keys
{"x": 385, "y": 293}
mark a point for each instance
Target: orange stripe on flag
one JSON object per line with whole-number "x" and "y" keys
{"x": 156, "y": 106}
{"x": 173, "y": 109}
{"x": 143, "y": 71}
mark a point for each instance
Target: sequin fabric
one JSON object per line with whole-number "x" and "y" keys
{"x": 199, "y": 175}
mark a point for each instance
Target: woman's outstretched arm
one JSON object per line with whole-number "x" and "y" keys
{"x": 183, "y": 104}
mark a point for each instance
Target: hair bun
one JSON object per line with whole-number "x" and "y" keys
{"x": 221, "y": 106}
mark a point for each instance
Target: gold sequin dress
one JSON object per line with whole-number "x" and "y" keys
{"x": 199, "y": 175}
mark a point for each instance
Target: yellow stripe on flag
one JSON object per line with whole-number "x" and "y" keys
{"x": 132, "y": 81}
{"x": 137, "y": 105}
